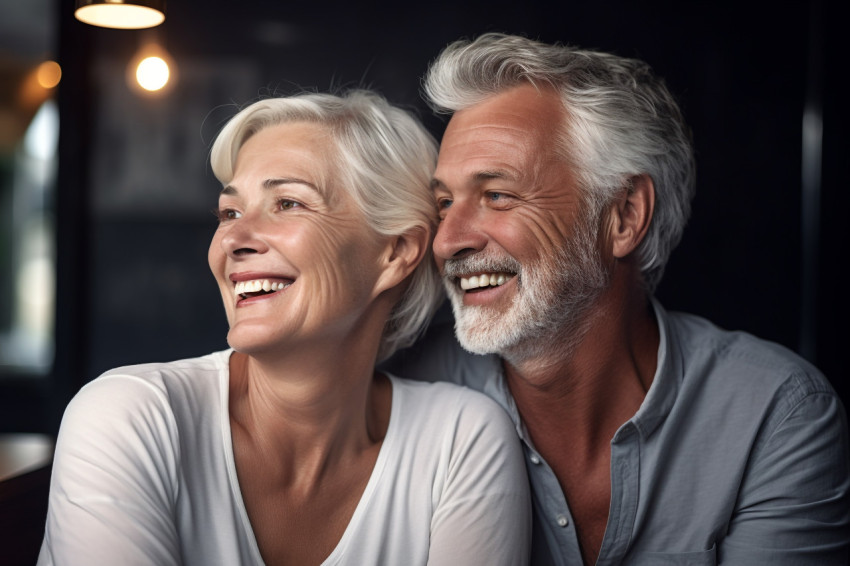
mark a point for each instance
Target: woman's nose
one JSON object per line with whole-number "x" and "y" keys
{"x": 461, "y": 231}
{"x": 244, "y": 235}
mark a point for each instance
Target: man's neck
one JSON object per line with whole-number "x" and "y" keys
{"x": 573, "y": 403}
{"x": 603, "y": 377}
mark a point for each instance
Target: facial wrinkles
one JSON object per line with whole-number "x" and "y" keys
{"x": 347, "y": 260}
{"x": 542, "y": 227}
{"x": 335, "y": 246}
{"x": 494, "y": 143}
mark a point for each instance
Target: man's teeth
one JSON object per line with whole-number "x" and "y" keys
{"x": 484, "y": 280}
{"x": 258, "y": 285}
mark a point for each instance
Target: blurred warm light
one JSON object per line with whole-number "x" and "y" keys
{"x": 48, "y": 74}
{"x": 152, "y": 73}
{"x": 36, "y": 87}
{"x": 119, "y": 14}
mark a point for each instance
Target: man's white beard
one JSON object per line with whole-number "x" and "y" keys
{"x": 552, "y": 296}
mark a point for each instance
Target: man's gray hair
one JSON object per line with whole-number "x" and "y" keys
{"x": 384, "y": 158}
{"x": 621, "y": 121}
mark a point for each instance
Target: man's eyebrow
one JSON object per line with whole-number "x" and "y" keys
{"x": 477, "y": 178}
{"x": 489, "y": 174}
{"x": 276, "y": 182}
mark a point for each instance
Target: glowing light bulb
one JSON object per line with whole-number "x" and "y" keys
{"x": 152, "y": 73}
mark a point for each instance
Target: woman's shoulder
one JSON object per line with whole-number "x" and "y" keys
{"x": 163, "y": 373}
{"x": 449, "y": 405}
{"x": 425, "y": 393}
{"x": 167, "y": 380}
{"x": 151, "y": 393}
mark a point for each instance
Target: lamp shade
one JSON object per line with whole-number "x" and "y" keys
{"x": 121, "y": 14}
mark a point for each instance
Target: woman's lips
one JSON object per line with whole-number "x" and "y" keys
{"x": 255, "y": 287}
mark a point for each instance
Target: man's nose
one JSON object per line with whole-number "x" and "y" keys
{"x": 461, "y": 231}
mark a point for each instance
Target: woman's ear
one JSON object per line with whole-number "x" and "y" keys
{"x": 402, "y": 255}
{"x": 631, "y": 215}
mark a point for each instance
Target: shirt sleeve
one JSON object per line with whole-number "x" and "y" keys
{"x": 483, "y": 516}
{"x": 794, "y": 504}
{"x": 114, "y": 479}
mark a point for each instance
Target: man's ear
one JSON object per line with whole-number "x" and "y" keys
{"x": 401, "y": 257}
{"x": 631, "y": 215}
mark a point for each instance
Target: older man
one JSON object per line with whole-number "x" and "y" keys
{"x": 564, "y": 181}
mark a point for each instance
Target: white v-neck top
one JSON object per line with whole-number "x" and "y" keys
{"x": 144, "y": 474}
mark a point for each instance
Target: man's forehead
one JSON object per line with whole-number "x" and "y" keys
{"x": 518, "y": 106}
{"x": 519, "y": 118}
{"x": 504, "y": 136}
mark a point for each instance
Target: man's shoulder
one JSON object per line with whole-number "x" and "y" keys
{"x": 739, "y": 360}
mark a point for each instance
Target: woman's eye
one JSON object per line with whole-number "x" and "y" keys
{"x": 287, "y": 204}
{"x": 224, "y": 214}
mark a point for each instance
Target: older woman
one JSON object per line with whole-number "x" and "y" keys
{"x": 289, "y": 448}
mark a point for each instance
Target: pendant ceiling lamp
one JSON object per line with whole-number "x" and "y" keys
{"x": 121, "y": 14}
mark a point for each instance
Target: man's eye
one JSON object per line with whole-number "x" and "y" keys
{"x": 443, "y": 203}
{"x": 287, "y": 204}
{"x": 500, "y": 200}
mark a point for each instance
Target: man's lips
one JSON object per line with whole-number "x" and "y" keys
{"x": 484, "y": 280}
{"x": 480, "y": 272}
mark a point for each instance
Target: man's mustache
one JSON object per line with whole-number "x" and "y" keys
{"x": 480, "y": 262}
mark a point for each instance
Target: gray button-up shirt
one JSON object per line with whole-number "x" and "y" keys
{"x": 738, "y": 454}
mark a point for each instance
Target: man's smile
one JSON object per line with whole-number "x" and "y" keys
{"x": 482, "y": 280}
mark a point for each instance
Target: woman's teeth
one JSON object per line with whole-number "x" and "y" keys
{"x": 484, "y": 280}
{"x": 258, "y": 285}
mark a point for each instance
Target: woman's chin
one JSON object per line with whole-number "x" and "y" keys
{"x": 250, "y": 344}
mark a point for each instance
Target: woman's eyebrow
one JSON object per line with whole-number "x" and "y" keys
{"x": 276, "y": 182}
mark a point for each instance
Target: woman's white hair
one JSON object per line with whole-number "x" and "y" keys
{"x": 384, "y": 158}
{"x": 621, "y": 121}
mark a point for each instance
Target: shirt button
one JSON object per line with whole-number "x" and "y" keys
{"x": 535, "y": 459}
{"x": 562, "y": 520}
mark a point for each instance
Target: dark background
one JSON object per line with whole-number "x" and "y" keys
{"x": 135, "y": 189}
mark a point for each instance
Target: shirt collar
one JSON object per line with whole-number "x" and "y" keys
{"x": 665, "y": 385}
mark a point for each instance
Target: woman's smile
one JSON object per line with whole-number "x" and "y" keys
{"x": 253, "y": 286}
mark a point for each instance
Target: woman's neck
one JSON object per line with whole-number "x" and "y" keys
{"x": 311, "y": 414}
